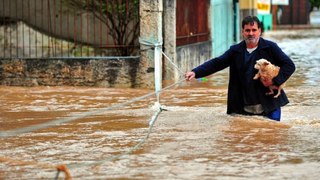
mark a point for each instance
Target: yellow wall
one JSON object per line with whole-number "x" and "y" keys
{"x": 248, "y": 4}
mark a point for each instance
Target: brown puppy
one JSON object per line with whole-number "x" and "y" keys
{"x": 267, "y": 72}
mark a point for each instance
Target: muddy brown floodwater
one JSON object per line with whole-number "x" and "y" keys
{"x": 192, "y": 139}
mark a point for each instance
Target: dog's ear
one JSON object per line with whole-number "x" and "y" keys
{"x": 266, "y": 63}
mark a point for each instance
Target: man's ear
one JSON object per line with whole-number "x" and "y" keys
{"x": 260, "y": 31}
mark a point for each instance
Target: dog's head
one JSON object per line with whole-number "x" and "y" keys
{"x": 261, "y": 64}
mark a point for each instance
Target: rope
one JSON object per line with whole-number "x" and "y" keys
{"x": 68, "y": 119}
{"x": 137, "y": 146}
{"x": 149, "y": 43}
{"x": 141, "y": 142}
{"x": 134, "y": 148}
{"x": 48, "y": 124}
{"x": 174, "y": 65}
{"x": 64, "y": 168}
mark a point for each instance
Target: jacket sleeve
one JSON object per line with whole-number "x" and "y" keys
{"x": 213, "y": 65}
{"x": 287, "y": 67}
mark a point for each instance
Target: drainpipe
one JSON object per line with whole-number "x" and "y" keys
{"x": 236, "y": 21}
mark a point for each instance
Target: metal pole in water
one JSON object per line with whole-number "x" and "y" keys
{"x": 158, "y": 9}
{"x": 157, "y": 70}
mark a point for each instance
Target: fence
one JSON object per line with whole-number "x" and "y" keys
{"x": 68, "y": 28}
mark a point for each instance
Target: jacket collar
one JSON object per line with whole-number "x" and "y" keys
{"x": 242, "y": 45}
{"x": 262, "y": 43}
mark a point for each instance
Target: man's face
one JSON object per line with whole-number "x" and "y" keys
{"x": 251, "y": 34}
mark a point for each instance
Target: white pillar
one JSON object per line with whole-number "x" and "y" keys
{"x": 151, "y": 37}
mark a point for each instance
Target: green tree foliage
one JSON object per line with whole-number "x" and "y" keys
{"x": 120, "y": 16}
{"x": 315, "y": 3}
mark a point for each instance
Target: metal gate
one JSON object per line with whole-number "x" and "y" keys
{"x": 68, "y": 28}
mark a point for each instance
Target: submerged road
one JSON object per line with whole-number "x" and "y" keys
{"x": 192, "y": 139}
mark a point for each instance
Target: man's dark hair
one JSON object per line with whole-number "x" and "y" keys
{"x": 250, "y": 20}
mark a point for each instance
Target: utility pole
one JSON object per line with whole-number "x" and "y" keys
{"x": 151, "y": 41}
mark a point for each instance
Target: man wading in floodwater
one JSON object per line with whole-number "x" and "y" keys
{"x": 245, "y": 95}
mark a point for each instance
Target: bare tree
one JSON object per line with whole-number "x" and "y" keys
{"x": 120, "y": 16}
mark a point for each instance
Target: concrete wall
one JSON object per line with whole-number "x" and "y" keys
{"x": 71, "y": 72}
{"x": 151, "y": 40}
{"x": 190, "y": 56}
{"x": 169, "y": 39}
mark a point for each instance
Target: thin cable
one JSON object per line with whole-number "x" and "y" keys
{"x": 137, "y": 146}
{"x": 134, "y": 148}
{"x": 173, "y": 63}
{"x": 48, "y": 124}
{"x": 68, "y": 119}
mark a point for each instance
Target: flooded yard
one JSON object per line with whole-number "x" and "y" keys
{"x": 193, "y": 137}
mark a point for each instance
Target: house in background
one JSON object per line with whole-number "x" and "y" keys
{"x": 276, "y": 14}
{"x": 187, "y": 31}
{"x": 294, "y": 13}
{"x": 204, "y": 29}
{"x": 198, "y": 41}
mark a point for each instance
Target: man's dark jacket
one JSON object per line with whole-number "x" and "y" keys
{"x": 235, "y": 59}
